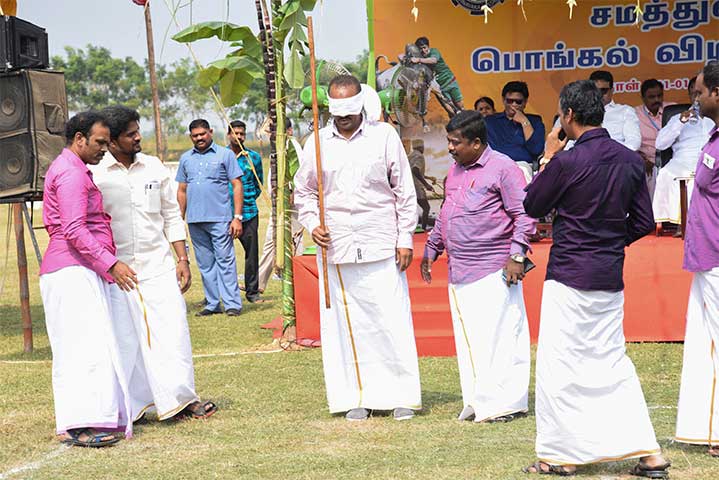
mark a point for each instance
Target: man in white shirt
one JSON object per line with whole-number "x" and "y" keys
{"x": 620, "y": 121}
{"x": 151, "y": 321}
{"x": 685, "y": 133}
{"x": 368, "y": 347}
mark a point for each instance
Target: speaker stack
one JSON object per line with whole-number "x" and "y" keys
{"x": 33, "y": 110}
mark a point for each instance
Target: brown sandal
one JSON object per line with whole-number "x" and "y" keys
{"x": 198, "y": 410}
{"x": 539, "y": 467}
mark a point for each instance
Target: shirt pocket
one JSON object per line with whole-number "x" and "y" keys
{"x": 375, "y": 173}
{"x": 215, "y": 170}
{"x": 477, "y": 197}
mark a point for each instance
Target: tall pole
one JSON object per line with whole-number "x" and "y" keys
{"x": 371, "y": 73}
{"x": 22, "y": 275}
{"x": 153, "y": 83}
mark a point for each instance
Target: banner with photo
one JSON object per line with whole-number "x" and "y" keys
{"x": 671, "y": 42}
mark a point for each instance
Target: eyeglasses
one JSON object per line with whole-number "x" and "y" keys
{"x": 516, "y": 101}
{"x": 605, "y": 90}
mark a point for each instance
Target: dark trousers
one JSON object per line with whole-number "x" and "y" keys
{"x": 250, "y": 243}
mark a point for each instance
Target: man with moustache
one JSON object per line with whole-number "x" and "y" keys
{"x": 650, "y": 122}
{"x": 485, "y": 231}
{"x": 698, "y": 409}
{"x": 89, "y": 387}
{"x": 151, "y": 320}
{"x": 203, "y": 175}
{"x": 518, "y": 135}
{"x": 368, "y": 348}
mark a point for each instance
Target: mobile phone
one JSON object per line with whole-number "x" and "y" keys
{"x": 562, "y": 135}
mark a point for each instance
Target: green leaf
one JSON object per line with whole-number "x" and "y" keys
{"x": 293, "y": 16}
{"x": 225, "y": 31}
{"x": 294, "y": 75}
{"x": 233, "y": 86}
{"x": 308, "y": 4}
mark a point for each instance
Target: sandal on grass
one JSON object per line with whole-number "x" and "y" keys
{"x": 641, "y": 469}
{"x": 199, "y": 410}
{"x": 543, "y": 468}
{"x": 713, "y": 451}
{"x": 95, "y": 439}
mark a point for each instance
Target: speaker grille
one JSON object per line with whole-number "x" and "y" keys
{"x": 16, "y": 161}
{"x": 13, "y": 103}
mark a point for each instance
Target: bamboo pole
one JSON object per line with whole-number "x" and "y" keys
{"x": 22, "y": 277}
{"x": 318, "y": 155}
{"x": 153, "y": 83}
{"x": 371, "y": 73}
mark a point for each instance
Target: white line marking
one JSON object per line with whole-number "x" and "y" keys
{"x": 199, "y": 355}
{"x": 36, "y": 464}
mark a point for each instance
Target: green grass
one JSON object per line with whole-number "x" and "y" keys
{"x": 273, "y": 421}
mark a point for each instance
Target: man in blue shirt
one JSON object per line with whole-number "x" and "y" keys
{"x": 203, "y": 175}
{"x": 516, "y": 134}
{"x": 251, "y": 181}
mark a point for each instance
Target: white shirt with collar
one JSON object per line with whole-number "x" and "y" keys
{"x": 145, "y": 214}
{"x": 370, "y": 201}
{"x": 622, "y": 123}
{"x": 685, "y": 139}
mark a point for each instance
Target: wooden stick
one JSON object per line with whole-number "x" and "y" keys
{"x": 23, "y": 280}
{"x": 318, "y": 156}
{"x": 153, "y": 84}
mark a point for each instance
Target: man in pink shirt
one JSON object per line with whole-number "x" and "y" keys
{"x": 650, "y": 122}
{"x": 89, "y": 388}
{"x": 485, "y": 231}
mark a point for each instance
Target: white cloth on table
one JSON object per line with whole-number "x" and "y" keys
{"x": 89, "y": 386}
{"x": 368, "y": 347}
{"x": 589, "y": 403}
{"x": 698, "y": 409}
{"x": 491, "y": 335}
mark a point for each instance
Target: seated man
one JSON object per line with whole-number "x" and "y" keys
{"x": 650, "y": 122}
{"x": 518, "y": 135}
{"x": 685, "y": 133}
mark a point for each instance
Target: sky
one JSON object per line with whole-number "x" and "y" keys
{"x": 340, "y": 26}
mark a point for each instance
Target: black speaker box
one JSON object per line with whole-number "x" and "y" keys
{"x": 22, "y": 45}
{"x": 33, "y": 112}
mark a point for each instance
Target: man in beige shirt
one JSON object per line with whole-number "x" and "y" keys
{"x": 151, "y": 321}
{"x": 368, "y": 347}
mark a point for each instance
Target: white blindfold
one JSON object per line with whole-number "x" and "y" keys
{"x": 366, "y": 100}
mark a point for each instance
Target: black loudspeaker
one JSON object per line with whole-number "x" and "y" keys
{"x": 22, "y": 45}
{"x": 33, "y": 112}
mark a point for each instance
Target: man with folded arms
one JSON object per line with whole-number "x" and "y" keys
{"x": 89, "y": 387}
{"x": 485, "y": 231}
{"x": 151, "y": 321}
{"x": 589, "y": 403}
{"x": 368, "y": 349}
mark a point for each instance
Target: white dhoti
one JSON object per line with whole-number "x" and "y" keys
{"x": 89, "y": 386}
{"x": 666, "y": 202}
{"x": 492, "y": 339}
{"x": 589, "y": 404}
{"x": 151, "y": 325}
{"x": 698, "y": 412}
{"x": 368, "y": 349}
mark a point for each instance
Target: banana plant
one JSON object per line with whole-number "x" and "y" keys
{"x": 253, "y": 57}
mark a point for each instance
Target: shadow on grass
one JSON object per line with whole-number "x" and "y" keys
{"x": 435, "y": 399}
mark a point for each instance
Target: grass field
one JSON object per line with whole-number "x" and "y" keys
{"x": 273, "y": 421}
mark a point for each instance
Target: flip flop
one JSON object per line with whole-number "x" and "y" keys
{"x": 96, "y": 439}
{"x": 641, "y": 469}
{"x": 205, "y": 410}
{"x": 558, "y": 470}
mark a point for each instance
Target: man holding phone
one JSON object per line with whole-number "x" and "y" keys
{"x": 484, "y": 229}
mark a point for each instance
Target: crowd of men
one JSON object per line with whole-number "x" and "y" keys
{"x": 117, "y": 265}
{"x": 642, "y": 128}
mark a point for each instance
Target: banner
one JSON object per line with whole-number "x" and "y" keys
{"x": 671, "y": 42}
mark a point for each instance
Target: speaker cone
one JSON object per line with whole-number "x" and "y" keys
{"x": 13, "y": 104}
{"x": 16, "y": 161}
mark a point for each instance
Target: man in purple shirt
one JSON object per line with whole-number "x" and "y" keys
{"x": 589, "y": 403}
{"x": 485, "y": 231}
{"x": 698, "y": 410}
{"x": 89, "y": 387}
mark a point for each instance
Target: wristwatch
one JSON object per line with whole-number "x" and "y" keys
{"x": 238, "y": 216}
{"x": 517, "y": 257}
